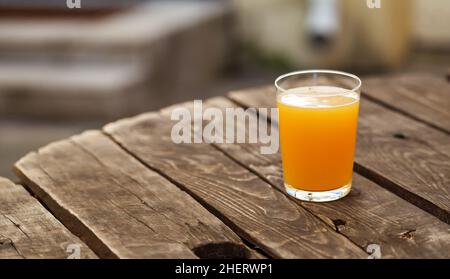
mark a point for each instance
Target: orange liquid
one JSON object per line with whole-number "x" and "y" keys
{"x": 318, "y": 135}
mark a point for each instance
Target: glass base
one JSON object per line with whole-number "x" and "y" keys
{"x": 324, "y": 196}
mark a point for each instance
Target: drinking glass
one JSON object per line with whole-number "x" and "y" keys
{"x": 318, "y": 116}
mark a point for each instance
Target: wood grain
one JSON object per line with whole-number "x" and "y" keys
{"x": 424, "y": 97}
{"x": 121, "y": 208}
{"x": 407, "y": 157}
{"x": 28, "y": 230}
{"x": 369, "y": 215}
{"x": 251, "y": 207}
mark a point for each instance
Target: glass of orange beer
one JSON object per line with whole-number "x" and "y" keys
{"x": 318, "y": 117}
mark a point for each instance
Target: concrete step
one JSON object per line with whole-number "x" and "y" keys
{"x": 124, "y": 35}
{"x": 62, "y": 91}
{"x": 141, "y": 59}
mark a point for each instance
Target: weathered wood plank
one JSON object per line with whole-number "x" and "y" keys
{"x": 424, "y": 97}
{"x": 121, "y": 208}
{"x": 369, "y": 215}
{"x": 405, "y": 156}
{"x": 28, "y": 230}
{"x": 253, "y": 208}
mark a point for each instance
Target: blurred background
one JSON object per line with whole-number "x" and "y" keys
{"x": 66, "y": 70}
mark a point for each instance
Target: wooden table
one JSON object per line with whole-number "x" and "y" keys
{"x": 127, "y": 191}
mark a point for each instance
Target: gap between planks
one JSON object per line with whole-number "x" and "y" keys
{"x": 428, "y": 233}
{"x": 405, "y": 113}
{"x": 264, "y": 99}
{"x": 258, "y": 252}
{"x": 167, "y": 110}
{"x": 98, "y": 190}
{"x": 28, "y": 230}
{"x": 297, "y": 232}
{"x": 422, "y": 97}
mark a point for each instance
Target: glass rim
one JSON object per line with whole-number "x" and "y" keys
{"x": 341, "y": 73}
